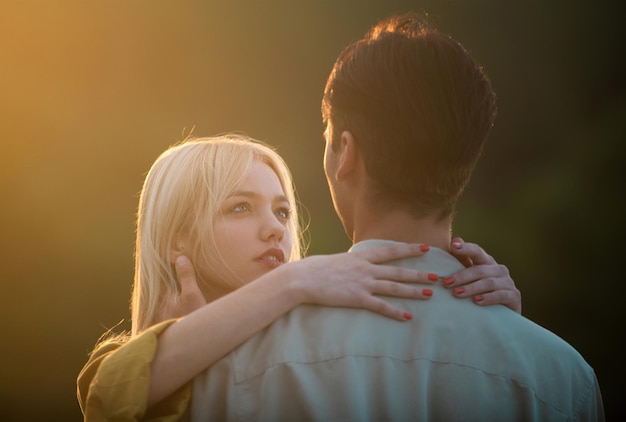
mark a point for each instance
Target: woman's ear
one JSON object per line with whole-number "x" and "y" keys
{"x": 348, "y": 156}
{"x": 178, "y": 248}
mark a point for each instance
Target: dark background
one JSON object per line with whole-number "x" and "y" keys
{"x": 92, "y": 91}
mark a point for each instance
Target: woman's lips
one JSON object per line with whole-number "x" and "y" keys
{"x": 273, "y": 257}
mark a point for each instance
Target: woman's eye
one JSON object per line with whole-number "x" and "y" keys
{"x": 240, "y": 208}
{"x": 283, "y": 213}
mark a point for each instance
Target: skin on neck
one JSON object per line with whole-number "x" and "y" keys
{"x": 212, "y": 293}
{"x": 399, "y": 225}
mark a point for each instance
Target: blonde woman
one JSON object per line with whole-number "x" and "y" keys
{"x": 227, "y": 204}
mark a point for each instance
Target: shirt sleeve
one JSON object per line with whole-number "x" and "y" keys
{"x": 113, "y": 385}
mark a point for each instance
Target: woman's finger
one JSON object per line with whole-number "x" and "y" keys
{"x": 491, "y": 291}
{"x": 470, "y": 253}
{"x": 382, "y": 307}
{"x": 510, "y": 298}
{"x": 190, "y": 297}
{"x": 392, "y": 288}
{"x": 392, "y": 252}
{"x": 185, "y": 274}
{"x": 456, "y": 250}
{"x": 478, "y": 272}
{"x": 402, "y": 274}
{"x": 482, "y": 286}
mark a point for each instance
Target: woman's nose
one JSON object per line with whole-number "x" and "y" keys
{"x": 272, "y": 228}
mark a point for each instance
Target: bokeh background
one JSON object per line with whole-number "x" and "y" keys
{"x": 92, "y": 91}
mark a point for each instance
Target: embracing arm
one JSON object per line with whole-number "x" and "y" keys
{"x": 354, "y": 279}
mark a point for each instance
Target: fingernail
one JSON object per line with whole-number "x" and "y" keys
{"x": 407, "y": 316}
{"x": 182, "y": 260}
{"x": 459, "y": 290}
{"x": 424, "y": 248}
{"x": 448, "y": 281}
{"x": 478, "y": 298}
{"x": 427, "y": 292}
{"x": 457, "y": 245}
{"x": 433, "y": 277}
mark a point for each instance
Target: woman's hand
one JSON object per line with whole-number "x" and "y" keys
{"x": 190, "y": 297}
{"x": 355, "y": 279}
{"x": 488, "y": 282}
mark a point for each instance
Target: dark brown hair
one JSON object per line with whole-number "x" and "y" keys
{"x": 420, "y": 109}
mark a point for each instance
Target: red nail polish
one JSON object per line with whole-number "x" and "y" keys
{"x": 478, "y": 298}
{"x": 427, "y": 292}
{"x": 424, "y": 248}
{"x": 407, "y": 316}
{"x": 459, "y": 290}
{"x": 448, "y": 281}
{"x": 433, "y": 277}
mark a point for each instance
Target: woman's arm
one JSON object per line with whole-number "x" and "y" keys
{"x": 353, "y": 279}
{"x": 487, "y": 281}
{"x": 349, "y": 280}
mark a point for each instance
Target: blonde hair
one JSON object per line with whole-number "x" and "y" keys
{"x": 181, "y": 196}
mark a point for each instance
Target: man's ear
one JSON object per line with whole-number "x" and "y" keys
{"x": 348, "y": 156}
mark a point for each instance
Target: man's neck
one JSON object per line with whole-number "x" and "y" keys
{"x": 402, "y": 227}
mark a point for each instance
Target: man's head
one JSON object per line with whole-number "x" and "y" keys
{"x": 418, "y": 108}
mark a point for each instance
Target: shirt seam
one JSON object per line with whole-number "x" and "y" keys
{"x": 433, "y": 361}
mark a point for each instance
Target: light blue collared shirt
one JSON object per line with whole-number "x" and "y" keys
{"x": 454, "y": 361}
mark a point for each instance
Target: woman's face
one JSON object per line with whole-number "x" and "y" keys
{"x": 251, "y": 228}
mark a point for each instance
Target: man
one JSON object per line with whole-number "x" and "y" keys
{"x": 407, "y": 112}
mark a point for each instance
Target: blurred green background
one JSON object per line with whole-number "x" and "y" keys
{"x": 92, "y": 91}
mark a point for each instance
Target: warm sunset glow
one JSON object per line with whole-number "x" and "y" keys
{"x": 91, "y": 92}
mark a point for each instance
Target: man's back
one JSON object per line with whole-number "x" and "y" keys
{"x": 453, "y": 361}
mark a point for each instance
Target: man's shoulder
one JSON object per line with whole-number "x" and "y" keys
{"x": 312, "y": 340}
{"x": 449, "y": 330}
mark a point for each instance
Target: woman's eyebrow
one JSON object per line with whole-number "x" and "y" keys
{"x": 252, "y": 194}
{"x": 245, "y": 193}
